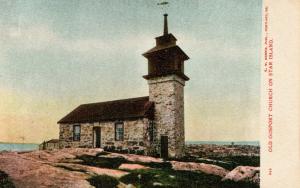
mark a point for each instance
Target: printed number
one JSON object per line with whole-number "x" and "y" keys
{"x": 270, "y": 171}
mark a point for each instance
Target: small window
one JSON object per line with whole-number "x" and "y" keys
{"x": 151, "y": 130}
{"x": 119, "y": 131}
{"x": 76, "y": 132}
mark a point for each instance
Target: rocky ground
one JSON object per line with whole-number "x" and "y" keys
{"x": 213, "y": 150}
{"x": 80, "y": 167}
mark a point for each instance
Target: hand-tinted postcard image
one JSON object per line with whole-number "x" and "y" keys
{"x": 130, "y": 94}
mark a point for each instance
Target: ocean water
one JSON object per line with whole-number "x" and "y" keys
{"x": 18, "y": 147}
{"x": 29, "y": 147}
{"x": 251, "y": 143}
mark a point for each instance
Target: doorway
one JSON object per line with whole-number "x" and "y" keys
{"x": 97, "y": 137}
{"x": 164, "y": 147}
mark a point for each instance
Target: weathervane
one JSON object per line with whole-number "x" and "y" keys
{"x": 163, "y": 5}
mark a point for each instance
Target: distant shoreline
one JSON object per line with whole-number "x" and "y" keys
{"x": 187, "y": 142}
{"x": 17, "y": 143}
{"x": 251, "y": 143}
{"x": 6, "y": 146}
{"x": 18, "y": 146}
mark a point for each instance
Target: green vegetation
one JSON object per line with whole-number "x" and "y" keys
{"x": 232, "y": 184}
{"x": 115, "y": 162}
{"x": 170, "y": 179}
{"x": 5, "y": 181}
{"x": 102, "y": 153}
{"x": 103, "y": 162}
{"x": 162, "y": 165}
{"x": 229, "y": 162}
{"x": 70, "y": 168}
{"x": 162, "y": 174}
{"x": 235, "y": 161}
{"x": 178, "y": 179}
{"x": 103, "y": 181}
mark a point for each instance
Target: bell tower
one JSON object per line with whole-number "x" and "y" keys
{"x": 166, "y": 80}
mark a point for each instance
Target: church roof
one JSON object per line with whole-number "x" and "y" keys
{"x": 111, "y": 110}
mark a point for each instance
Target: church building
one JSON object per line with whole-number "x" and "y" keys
{"x": 150, "y": 125}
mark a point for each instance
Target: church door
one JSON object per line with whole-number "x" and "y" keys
{"x": 164, "y": 147}
{"x": 97, "y": 137}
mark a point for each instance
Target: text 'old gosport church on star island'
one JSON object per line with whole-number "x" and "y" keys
{"x": 150, "y": 125}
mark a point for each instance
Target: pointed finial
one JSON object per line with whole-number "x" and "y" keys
{"x": 164, "y": 5}
{"x": 165, "y": 24}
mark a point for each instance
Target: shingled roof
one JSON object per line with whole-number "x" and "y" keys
{"x": 163, "y": 48}
{"x": 111, "y": 110}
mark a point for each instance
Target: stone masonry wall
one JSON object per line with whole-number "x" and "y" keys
{"x": 135, "y": 135}
{"x": 168, "y": 95}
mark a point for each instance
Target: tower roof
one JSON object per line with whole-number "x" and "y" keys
{"x": 165, "y": 42}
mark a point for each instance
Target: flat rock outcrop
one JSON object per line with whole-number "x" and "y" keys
{"x": 137, "y": 158}
{"x": 126, "y": 166}
{"x": 202, "y": 167}
{"x": 27, "y": 173}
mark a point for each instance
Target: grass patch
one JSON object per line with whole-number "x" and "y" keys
{"x": 102, "y": 162}
{"x": 71, "y": 169}
{"x": 229, "y": 162}
{"x": 170, "y": 178}
{"x": 115, "y": 162}
{"x": 232, "y": 184}
{"x": 228, "y": 165}
{"x": 163, "y": 165}
{"x": 5, "y": 181}
{"x": 240, "y": 161}
{"x": 160, "y": 175}
{"x": 103, "y": 181}
{"x": 151, "y": 178}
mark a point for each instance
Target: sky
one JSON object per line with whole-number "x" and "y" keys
{"x": 56, "y": 55}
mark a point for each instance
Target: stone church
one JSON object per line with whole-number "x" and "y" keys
{"x": 151, "y": 125}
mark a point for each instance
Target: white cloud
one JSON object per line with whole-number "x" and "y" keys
{"x": 40, "y": 37}
{"x": 32, "y": 38}
{"x": 217, "y": 48}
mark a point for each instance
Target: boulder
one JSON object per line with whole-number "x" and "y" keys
{"x": 245, "y": 174}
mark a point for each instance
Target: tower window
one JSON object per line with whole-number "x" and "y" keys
{"x": 76, "y": 132}
{"x": 119, "y": 131}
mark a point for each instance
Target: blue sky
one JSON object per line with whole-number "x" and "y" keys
{"x": 55, "y": 55}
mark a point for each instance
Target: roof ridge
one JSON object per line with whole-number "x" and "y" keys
{"x": 118, "y": 100}
{"x": 118, "y": 109}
